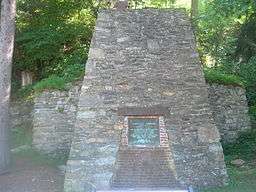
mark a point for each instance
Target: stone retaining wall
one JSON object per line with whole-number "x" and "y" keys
{"x": 54, "y": 112}
{"x": 230, "y": 110}
{"x": 21, "y": 116}
{"x": 54, "y": 117}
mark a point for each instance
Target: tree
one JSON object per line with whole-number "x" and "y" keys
{"x": 194, "y": 8}
{"x": 8, "y": 12}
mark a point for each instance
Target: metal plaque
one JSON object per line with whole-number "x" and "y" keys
{"x": 143, "y": 132}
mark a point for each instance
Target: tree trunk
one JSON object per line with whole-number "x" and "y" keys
{"x": 194, "y": 8}
{"x": 26, "y": 78}
{"x": 8, "y": 12}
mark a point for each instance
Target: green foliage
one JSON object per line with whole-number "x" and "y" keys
{"x": 247, "y": 71}
{"x": 241, "y": 178}
{"x": 152, "y": 3}
{"x": 243, "y": 148}
{"x": 24, "y": 93}
{"x": 53, "y": 35}
{"x": 217, "y": 76}
{"x": 71, "y": 73}
{"x": 52, "y": 82}
{"x": 252, "y": 112}
{"x": 53, "y": 38}
{"x": 227, "y": 41}
{"x": 219, "y": 26}
{"x": 246, "y": 44}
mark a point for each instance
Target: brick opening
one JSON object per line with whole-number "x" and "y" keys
{"x": 144, "y": 157}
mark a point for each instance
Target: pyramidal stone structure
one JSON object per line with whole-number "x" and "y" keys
{"x": 143, "y": 119}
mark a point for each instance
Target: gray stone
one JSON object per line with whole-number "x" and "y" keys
{"x": 152, "y": 44}
{"x": 144, "y": 71}
{"x": 86, "y": 114}
{"x": 230, "y": 111}
{"x": 62, "y": 168}
{"x": 21, "y": 148}
{"x": 53, "y": 121}
{"x": 21, "y": 113}
{"x": 97, "y": 53}
{"x": 158, "y": 67}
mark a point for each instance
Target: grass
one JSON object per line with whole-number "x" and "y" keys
{"x": 242, "y": 179}
{"x": 71, "y": 74}
{"x": 52, "y": 82}
{"x": 27, "y": 93}
{"x": 215, "y": 76}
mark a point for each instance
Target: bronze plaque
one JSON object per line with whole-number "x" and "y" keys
{"x": 143, "y": 132}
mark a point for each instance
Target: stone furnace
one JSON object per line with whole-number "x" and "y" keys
{"x": 143, "y": 117}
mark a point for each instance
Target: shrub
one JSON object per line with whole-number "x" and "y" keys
{"x": 73, "y": 72}
{"x": 244, "y": 147}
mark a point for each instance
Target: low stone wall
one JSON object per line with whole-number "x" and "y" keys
{"x": 54, "y": 119}
{"x": 230, "y": 111}
{"x": 21, "y": 116}
{"x": 21, "y": 119}
{"x": 54, "y": 112}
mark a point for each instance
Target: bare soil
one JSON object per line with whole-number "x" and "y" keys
{"x": 27, "y": 176}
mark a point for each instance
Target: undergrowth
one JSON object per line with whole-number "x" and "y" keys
{"x": 244, "y": 147}
{"x": 252, "y": 112}
{"x": 241, "y": 179}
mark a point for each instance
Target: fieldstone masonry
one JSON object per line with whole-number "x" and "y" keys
{"x": 230, "y": 111}
{"x": 228, "y": 103}
{"x": 144, "y": 59}
{"x": 21, "y": 114}
{"x": 142, "y": 63}
{"x": 54, "y": 117}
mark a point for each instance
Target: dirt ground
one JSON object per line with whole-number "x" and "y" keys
{"x": 26, "y": 176}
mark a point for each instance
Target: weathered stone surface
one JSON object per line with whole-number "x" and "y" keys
{"x": 230, "y": 111}
{"x": 139, "y": 64}
{"x": 54, "y": 117}
{"x": 228, "y": 103}
{"x": 156, "y": 66}
{"x": 21, "y": 114}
